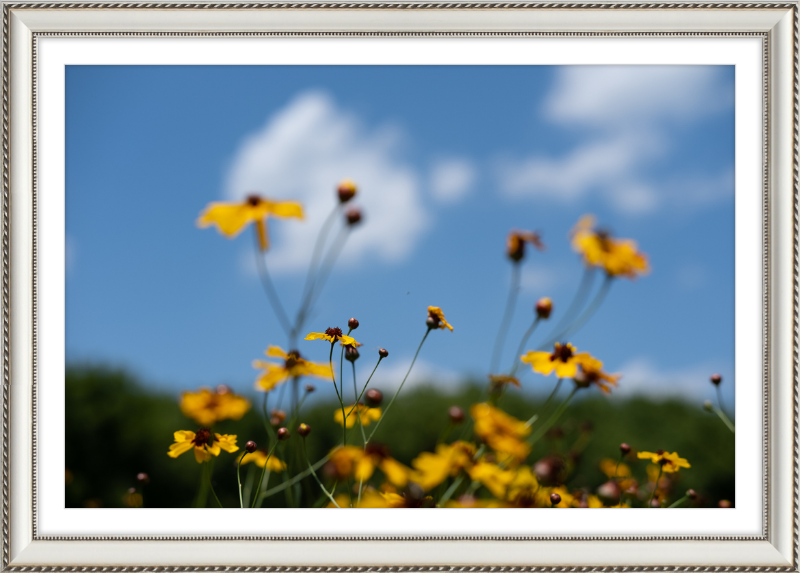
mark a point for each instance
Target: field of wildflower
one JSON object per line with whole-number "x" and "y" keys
{"x": 489, "y": 447}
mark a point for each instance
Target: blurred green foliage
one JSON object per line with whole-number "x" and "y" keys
{"x": 116, "y": 429}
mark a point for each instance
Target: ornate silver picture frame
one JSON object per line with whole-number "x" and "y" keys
{"x": 28, "y": 547}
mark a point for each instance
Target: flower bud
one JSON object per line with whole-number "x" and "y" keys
{"x": 310, "y": 388}
{"x": 624, "y": 449}
{"x": 374, "y": 397}
{"x": 544, "y": 306}
{"x": 143, "y": 478}
{"x": 456, "y": 414}
{"x": 131, "y": 490}
{"x": 432, "y": 322}
{"x": 223, "y": 389}
{"x": 609, "y": 492}
{"x": 250, "y": 447}
{"x": 716, "y": 379}
{"x": 351, "y": 353}
{"x": 279, "y": 414}
{"x": 346, "y": 190}
{"x": 708, "y": 406}
{"x": 655, "y": 503}
{"x": 283, "y": 434}
{"x": 383, "y": 353}
{"x": 304, "y": 429}
{"x": 691, "y": 494}
{"x": 352, "y": 323}
{"x": 724, "y": 504}
{"x": 353, "y": 216}
{"x": 555, "y": 499}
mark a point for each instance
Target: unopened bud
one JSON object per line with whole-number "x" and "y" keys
{"x": 250, "y": 447}
{"x": 609, "y": 492}
{"x": 383, "y": 353}
{"x": 304, "y": 429}
{"x": 544, "y": 306}
{"x": 716, "y": 379}
{"x": 279, "y": 414}
{"x": 353, "y": 216}
{"x": 432, "y": 322}
{"x": 624, "y": 449}
{"x": 223, "y": 389}
{"x": 724, "y": 504}
{"x": 283, "y": 434}
{"x": 346, "y": 190}
{"x": 374, "y": 397}
{"x": 691, "y": 494}
{"x": 456, "y": 414}
{"x": 655, "y": 503}
{"x": 555, "y": 499}
{"x": 351, "y": 353}
{"x": 352, "y": 323}
{"x": 310, "y": 388}
{"x": 143, "y": 478}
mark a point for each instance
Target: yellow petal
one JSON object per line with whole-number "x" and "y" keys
{"x": 227, "y": 442}
{"x": 395, "y": 472}
{"x": 201, "y": 455}
{"x": 318, "y": 336}
{"x": 347, "y": 340}
{"x": 565, "y": 369}
{"x": 364, "y": 469}
{"x": 183, "y": 436}
{"x": 277, "y": 352}
{"x": 272, "y": 376}
{"x": 180, "y": 448}
{"x": 285, "y": 208}
{"x": 230, "y": 218}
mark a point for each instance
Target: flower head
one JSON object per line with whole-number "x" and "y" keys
{"x": 515, "y": 244}
{"x": 360, "y": 463}
{"x": 333, "y": 335}
{"x": 206, "y": 407}
{"x": 591, "y": 373}
{"x": 670, "y": 463}
{"x": 231, "y": 218}
{"x": 204, "y": 443}
{"x": 618, "y": 257}
{"x": 499, "y": 381}
{"x": 501, "y": 432}
{"x": 363, "y": 413}
{"x": 262, "y": 458}
{"x": 431, "y": 469}
{"x": 563, "y": 360}
{"x": 436, "y": 319}
{"x": 293, "y": 366}
{"x": 346, "y": 190}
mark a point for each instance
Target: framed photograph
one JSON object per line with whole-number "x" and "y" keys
{"x": 381, "y": 285}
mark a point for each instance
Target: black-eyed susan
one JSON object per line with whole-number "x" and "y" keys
{"x": 204, "y": 443}
{"x": 231, "y": 218}
{"x": 670, "y": 463}
{"x": 360, "y": 463}
{"x": 515, "y": 244}
{"x": 436, "y": 319}
{"x": 618, "y": 257}
{"x": 333, "y": 335}
{"x": 261, "y": 458}
{"x": 564, "y": 360}
{"x": 294, "y": 366}
{"x": 362, "y": 413}
{"x": 501, "y": 432}
{"x": 592, "y": 373}
{"x": 206, "y": 406}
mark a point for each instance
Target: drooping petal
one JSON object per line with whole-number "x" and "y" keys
{"x": 229, "y": 218}
{"x": 276, "y": 351}
{"x": 273, "y": 375}
{"x": 201, "y": 455}
{"x": 318, "y": 336}
{"x": 395, "y": 472}
{"x": 284, "y": 208}
{"x": 184, "y": 436}
{"x": 364, "y": 468}
{"x": 180, "y": 448}
{"x": 227, "y": 442}
{"x": 565, "y": 369}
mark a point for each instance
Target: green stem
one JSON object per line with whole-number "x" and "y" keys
{"x": 451, "y": 490}
{"x": 313, "y": 473}
{"x": 364, "y": 389}
{"x": 358, "y": 411}
{"x": 269, "y": 288}
{"x": 341, "y": 402}
{"x": 586, "y": 314}
{"x": 553, "y": 419}
{"x": 386, "y": 411}
{"x": 511, "y": 302}
{"x": 263, "y": 471}
{"x": 575, "y": 305}
{"x": 552, "y": 395}
{"x": 239, "y": 480}
{"x": 522, "y": 344}
{"x": 679, "y": 502}
{"x": 655, "y": 486}
{"x": 725, "y": 419}
{"x": 211, "y": 485}
{"x": 295, "y": 479}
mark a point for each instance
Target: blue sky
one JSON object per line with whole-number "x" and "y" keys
{"x": 448, "y": 159}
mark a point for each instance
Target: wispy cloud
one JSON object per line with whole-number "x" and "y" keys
{"x": 641, "y": 376}
{"x": 389, "y": 376}
{"x": 302, "y": 152}
{"x": 538, "y": 279}
{"x": 628, "y": 115}
{"x": 452, "y": 179}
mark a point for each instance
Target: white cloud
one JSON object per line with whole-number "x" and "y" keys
{"x": 641, "y": 377}
{"x": 452, "y": 179}
{"x": 302, "y": 152}
{"x": 540, "y": 278}
{"x": 389, "y": 376}
{"x": 627, "y": 113}
{"x": 691, "y": 277}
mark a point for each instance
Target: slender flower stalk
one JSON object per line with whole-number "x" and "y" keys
{"x": 378, "y": 423}
{"x": 552, "y": 395}
{"x": 263, "y": 471}
{"x": 577, "y": 303}
{"x": 553, "y": 419}
{"x": 522, "y": 344}
{"x": 300, "y": 476}
{"x": 210, "y": 484}
{"x": 655, "y": 485}
{"x": 365, "y": 387}
{"x": 341, "y": 401}
{"x": 269, "y": 289}
{"x": 239, "y": 479}
{"x": 313, "y": 473}
{"x": 511, "y": 302}
{"x": 586, "y": 314}
{"x": 325, "y": 269}
{"x": 358, "y": 413}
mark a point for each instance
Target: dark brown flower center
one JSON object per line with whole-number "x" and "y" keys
{"x": 335, "y": 333}
{"x": 375, "y": 449}
{"x": 253, "y": 200}
{"x": 562, "y": 352}
{"x": 604, "y": 238}
{"x": 292, "y": 359}
{"x": 203, "y": 437}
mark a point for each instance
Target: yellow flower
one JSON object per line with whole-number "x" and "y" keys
{"x": 563, "y": 360}
{"x": 293, "y": 366}
{"x": 497, "y": 381}
{"x": 591, "y": 373}
{"x": 333, "y": 335}
{"x": 609, "y": 467}
{"x": 493, "y": 477}
{"x": 204, "y": 443}
{"x": 366, "y": 414}
{"x": 231, "y": 218}
{"x": 206, "y": 407}
{"x": 432, "y": 469}
{"x": 436, "y": 318}
{"x": 619, "y": 257}
{"x": 260, "y": 458}
{"x": 521, "y": 492}
{"x": 501, "y": 432}
{"x": 543, "y": 497}
{"x": 347, "y": 461}
{"x": 515, "y": 245}
{"x": 670, "y": 463}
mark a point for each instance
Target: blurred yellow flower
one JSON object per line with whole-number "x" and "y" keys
{"x": 563, "y": 360}
{"x": 500, "y": 380}
{"x": 493, "y": 477}
{"x": 260, "y": 458}
{"x": 204, "y": 443}
{"x": 591, "y": 373}
{"x": 359, "y": 463}
{"x": 609, "y": 467}
{"x": 670, "y": 463}
{"x": 231, "y": 218}
{"x": 436, "y": 316}
{"x": 206, "y": 407}
{"x": 501, "y": 432}
{"x": 333, "y": 335}
{"x": 619, "y": 257}
{"x": 293, "y": 366}
{"x": 364, "y": 413}
{"x": 543, "y": 497}
{"x": 431, "y": 469}
{"x": 521, "y": 492}
{"x": 515, "y": 245}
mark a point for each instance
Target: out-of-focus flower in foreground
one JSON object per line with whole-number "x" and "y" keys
{"x": 333, "y": 335}
{"x": 204, "y": 443}
{"x": 670, "y": 463}
{"x": 515, "y": 244}
{"x": 591, "y": 373}
{"x": 618, "y": 257}
{"x": 293, "y": 366}
{"x": 501, "y": 432}
{"x": 433, "y": 468}
{"x": 206, "y": 406}
{"x": 363, "y": 413}
{"x": 231, "y": 218}
{"x": 436, "y": 319}
{"x": 564, "y": 360}
{"x": 359, "y": 463}
{"x": 260, "y": 458}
